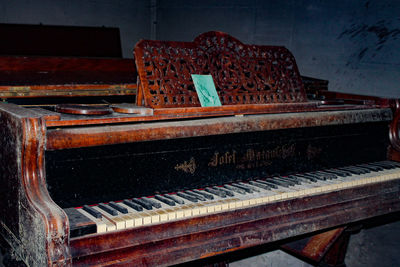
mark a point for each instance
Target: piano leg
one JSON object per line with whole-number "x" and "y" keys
{"x": 327, "y": 249}
{"x": 337, "y": 252}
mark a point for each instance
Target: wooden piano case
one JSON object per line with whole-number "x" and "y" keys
{"x": 52, "y": 161}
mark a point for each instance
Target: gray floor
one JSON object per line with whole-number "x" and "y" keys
{"x": 378, "y": 246}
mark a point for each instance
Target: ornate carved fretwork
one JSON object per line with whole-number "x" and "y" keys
{"x": 243, "y": 74}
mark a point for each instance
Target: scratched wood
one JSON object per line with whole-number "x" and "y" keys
{"x": 58, "y": 76}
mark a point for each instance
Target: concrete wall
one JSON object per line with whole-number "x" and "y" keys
{"x": 353, "y": 44}
{"x": 131, "y": 17}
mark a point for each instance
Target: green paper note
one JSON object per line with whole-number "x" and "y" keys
{"x": 206, "y": 91}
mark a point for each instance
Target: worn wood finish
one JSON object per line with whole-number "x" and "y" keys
{"x": 315, "y": 247}
{"x": 243, "y": 74}
{"x": 66, "y": 90}
{"x": 203, "y": 112}
{"x": 331, "y": 95}
{"x": 101, "y": 135}
{"x": 180, "y": 241}
{"x": 35, "y": 226}
{"x": 57, "y": 76}
{"x": 80, "y": 109}
{"x": 131, "y": 109}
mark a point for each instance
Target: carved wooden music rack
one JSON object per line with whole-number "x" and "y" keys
{"x": 243, "y": 74}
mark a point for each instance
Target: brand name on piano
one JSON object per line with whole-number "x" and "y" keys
{"x": 251, "y": 158}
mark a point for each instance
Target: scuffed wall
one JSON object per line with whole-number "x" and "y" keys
{"x": 353, "y": 44}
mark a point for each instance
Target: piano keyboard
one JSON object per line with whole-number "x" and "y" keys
{"x": 137, "y": 212}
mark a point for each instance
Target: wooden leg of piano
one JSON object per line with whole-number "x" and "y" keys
{"x": 325, "y": 249}
{"x": 337, "y": 252}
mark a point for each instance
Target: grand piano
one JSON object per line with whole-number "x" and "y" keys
{"x": 164, "y": 181}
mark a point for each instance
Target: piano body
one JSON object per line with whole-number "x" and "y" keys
{"x": 165, "y": 181}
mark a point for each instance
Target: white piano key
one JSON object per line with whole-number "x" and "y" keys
{"x": 117, "y": 221}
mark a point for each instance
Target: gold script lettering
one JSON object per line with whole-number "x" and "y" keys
{"x": 252, "y": 158}
{"x": 227, "y": 158}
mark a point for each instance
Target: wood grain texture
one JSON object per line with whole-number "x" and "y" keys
{"x": 243, "y": 74}
{"x": 58, "y": 76}
{"x": 40, "y": 230}
{"x": 102, "y": 135}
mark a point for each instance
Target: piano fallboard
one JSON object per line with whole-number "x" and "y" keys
{"x": 89, "y": 175}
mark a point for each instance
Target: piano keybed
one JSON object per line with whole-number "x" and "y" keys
{"x": 136, "y": 212}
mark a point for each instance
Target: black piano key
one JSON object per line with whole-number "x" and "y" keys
{"x": 245, "y": 188}
{"x": 391, "y": 163}
{"x": 338, "y": 172}
{"x": 235, "y": 189}
{"x": 320, "y": 176}
{"x": 283, "y": 180}
{"x": 277, "y": 182}
{"x": 364, "y": 170}
{"x": 92, "y": 211}
{"x": 165, "y": 200}
{"x": 206, "y": 195}
{"x": 118, "y": 207}
{"x": 198, "y": 196}
{"x": 384, "y": 164}
{"x": 249, "y": 186}
{"x": 142, "y": 203}
{"x": 293, "y": 179}
{"x": 260, "y": 185}
{"x": 153, "y": 202}
{"x": 227, "y": 191}
{"x": 216, "y": 192}
{"x": 351, "y": 170}
{"x": 272, "y": 185}
{"x": 187, "y": 197}
{"x": 174, "y": 198}
{"x": 371, "y": 167}
{"x": 133, "y": 205}
{"x": 108, "y": 209}
{"x": 327, "y": 175}
{"x": 300, "y": 179}
{"x": 310, "y": 177}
